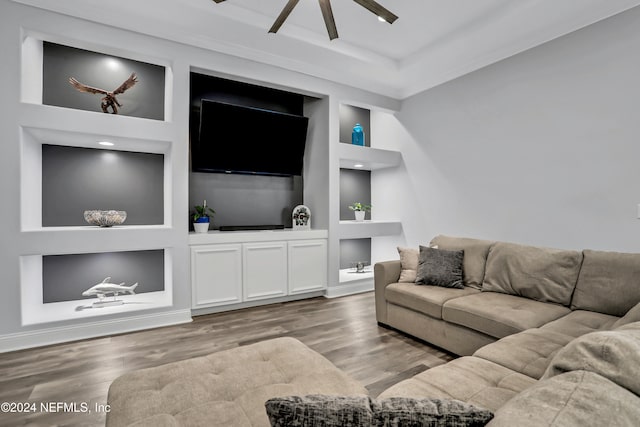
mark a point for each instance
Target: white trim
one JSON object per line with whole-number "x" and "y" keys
{"x": 42, "y": 337}
{"x": 351, "y": 289}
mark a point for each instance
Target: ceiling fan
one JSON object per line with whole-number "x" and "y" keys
{"x": 327, "y": 14}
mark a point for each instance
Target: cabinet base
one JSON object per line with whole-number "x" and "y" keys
{"x": 230, "y": 307}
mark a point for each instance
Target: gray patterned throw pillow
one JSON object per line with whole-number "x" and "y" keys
{"x": 407, "y": 412}
{"x": 439, "y": 267}
{"x": 320, "y": 411}
{"x": 360, "y": 411}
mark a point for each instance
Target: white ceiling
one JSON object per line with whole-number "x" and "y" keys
{"x": 433, "y": 41}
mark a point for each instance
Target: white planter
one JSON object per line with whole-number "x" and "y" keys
{"x": 201, "y": 227}
{"x": 359, "y": 215}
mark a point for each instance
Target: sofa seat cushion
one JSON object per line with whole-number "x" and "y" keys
{"x": 542, "y": 274}
{"x": 228, "y": 387}
{"x": 528, "y": 352}
{"x": 469, "y": 379}
{"x": 424, "y": 298}
{"x": 608, "y": 283}
{"x": 632, "y": 316}
{"x": 573, "y": 399}
{"x": 499, "y": 315}
{"x": 475, "y": 256}
{"x": 580, "y": 322}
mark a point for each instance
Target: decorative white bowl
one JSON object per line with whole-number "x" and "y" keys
{"x": 105, "y": 218}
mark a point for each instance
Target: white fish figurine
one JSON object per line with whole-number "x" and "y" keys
{"x": 103, "y": 288}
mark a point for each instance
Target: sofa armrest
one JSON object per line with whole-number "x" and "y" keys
{"x": 384, "y": 273}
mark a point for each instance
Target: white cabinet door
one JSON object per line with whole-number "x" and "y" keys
{"x": 307, "y": 266}
{"x": 216, "y": 275}
{"x": 264, "y": 268}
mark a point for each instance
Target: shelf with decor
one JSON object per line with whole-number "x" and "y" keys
{"x": 58, "y": 286}
{"x": 350, "y": 275}
{"x": 65, "y": 173}
{"x": 367, "y": 228}
{"x": 367, "y": 158}
{"x": 64, "y": 76}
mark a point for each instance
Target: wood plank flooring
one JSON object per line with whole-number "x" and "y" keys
{"x": 343, "y": 329}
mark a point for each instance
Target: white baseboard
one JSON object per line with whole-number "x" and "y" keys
{"x": 42, "y": 337}
{"x": 349, "y": 289}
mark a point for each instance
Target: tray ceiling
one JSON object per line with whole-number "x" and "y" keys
{"x": 432, "y": 42}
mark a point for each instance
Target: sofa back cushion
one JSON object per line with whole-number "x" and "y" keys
{"x": 609, "y": 283}
{"x": 614, "y": 355}
{"x": 475, "y": 256}
{"x": 542, "y": 274}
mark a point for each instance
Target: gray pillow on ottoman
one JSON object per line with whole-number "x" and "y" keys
{"x": 320, "y": 411}
{"x": 407, "y": 412}
{"x": 439, "y": 267}
{"x": 339, "y": 411}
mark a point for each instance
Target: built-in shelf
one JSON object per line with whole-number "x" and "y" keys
{"x": 77, "y": 128}
{"x": 366, "y": 157}
{"x": 364, "y": 229}
{"x": 64, "y": 240}
{"x": 349, "y": 275}
{"x": 215, "y": 236}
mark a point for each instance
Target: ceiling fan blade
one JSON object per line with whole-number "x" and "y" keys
{"x": 283, "y": 16}
{"x": 378, "y": 9}
{"x": 329, "y": 22}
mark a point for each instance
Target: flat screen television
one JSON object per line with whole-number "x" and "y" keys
{"x": 238, "y": 139}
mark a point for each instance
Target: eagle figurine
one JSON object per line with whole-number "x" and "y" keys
{"x": 109, "y": 100}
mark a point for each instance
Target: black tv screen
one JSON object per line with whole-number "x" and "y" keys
{"x": 239, "y": 139}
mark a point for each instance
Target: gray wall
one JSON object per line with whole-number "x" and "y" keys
{"x": 541, "y": 148}
{"x": 65, "y": 277}
{"x": 78, "y": 179}
{"x": 246, "y": 199}
{"x": 354, "y": 250}
{"x": 145, "y": 99}
{"x": 349, "y": 116}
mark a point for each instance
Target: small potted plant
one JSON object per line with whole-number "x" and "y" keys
{"x": 201, "y": 217}
{"x": 360, "y": 210}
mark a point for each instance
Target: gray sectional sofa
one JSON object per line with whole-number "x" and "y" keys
{"x": 547, "y": 337}
{"x": 509, "y": 288}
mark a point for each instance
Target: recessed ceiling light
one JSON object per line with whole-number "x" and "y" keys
{"x": 358, "y": 165}
{"x": 106, "y": 143}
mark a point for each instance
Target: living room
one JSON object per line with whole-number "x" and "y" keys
{"x": 531, "y": 144}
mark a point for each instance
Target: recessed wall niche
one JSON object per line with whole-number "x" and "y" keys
{"x": 65, "y": 277}
{"x": 145, "y": 99}
{"x": 355, "y": 186}
{"x": 243, "y": 199}
{"x": 76, "y": 179}
{"x": 349, "y": 116}
{"x": 353, "y": 251}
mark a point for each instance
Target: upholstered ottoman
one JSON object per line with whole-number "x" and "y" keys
{"x": 228, "y": 388}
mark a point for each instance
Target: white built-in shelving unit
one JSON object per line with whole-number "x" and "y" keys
{"x": 45, "y": 124}
{"x": 372, "y": 159}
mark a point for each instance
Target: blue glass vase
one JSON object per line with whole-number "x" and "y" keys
{"x": 357, "y": 136}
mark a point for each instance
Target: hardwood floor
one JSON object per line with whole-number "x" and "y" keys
{"x": 343, "y": 329}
